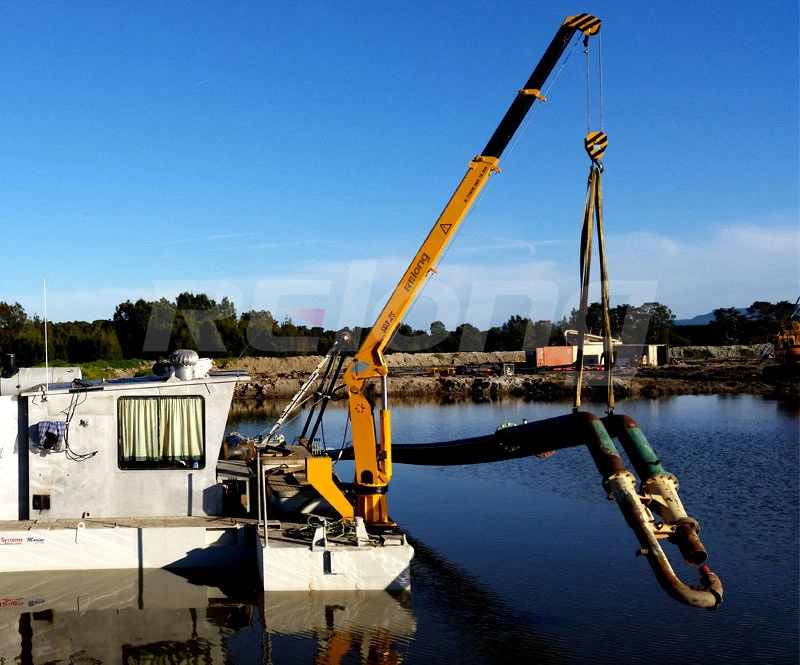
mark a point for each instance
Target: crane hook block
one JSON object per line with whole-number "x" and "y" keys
{"x": 586, "y": 23}
{"x": 596, "y": 143}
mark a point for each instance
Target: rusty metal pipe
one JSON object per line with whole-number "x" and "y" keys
{"x": 621, "y": 485}
{"x": 687, "y": 540}
{"x": 660, "y": 486}
{"x": 707, "y": 595}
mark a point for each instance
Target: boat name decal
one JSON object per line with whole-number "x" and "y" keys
{"x": 36, "y": 540}
{"x": 10, "y": 602}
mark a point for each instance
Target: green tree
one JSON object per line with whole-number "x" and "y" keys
{"x": 764, "y": 319}
{"x": 194, "y": 325}
{"x": 408, "y": 340}
{"x": 470, "y": 338}
{"x": 728, "y": 325}
{"x": 539, "y": 334}
{"x": 29, "y": 344}
{"x": 130, "y": 322}
{"x": 12, "y": 321}
{"x": 593, "y": 320}
{"x": 514, "y": 333}
{"x": 227, "y": 309}
{"x": 660, "y": 320}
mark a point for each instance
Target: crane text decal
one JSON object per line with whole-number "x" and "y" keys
{"x": 416, "y": 270}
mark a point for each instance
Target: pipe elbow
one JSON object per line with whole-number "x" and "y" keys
{"x": 712, "y": 585}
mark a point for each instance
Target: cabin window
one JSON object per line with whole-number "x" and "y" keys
{"x": 161, "y": 432}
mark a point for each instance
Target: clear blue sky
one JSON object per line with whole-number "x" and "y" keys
{"x": 293, "y": 155}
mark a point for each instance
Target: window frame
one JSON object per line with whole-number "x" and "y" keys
{"x": 165, "y": 462}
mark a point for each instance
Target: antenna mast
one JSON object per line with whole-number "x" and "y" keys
{"x": 46, "y": 364}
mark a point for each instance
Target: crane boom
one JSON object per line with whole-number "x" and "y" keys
{"x": 372, "y": 451}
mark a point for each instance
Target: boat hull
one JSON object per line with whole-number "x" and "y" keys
{"x": 293, "y": 565}
{"x": 87, "y": 545}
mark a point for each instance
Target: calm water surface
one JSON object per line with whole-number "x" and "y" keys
{"x": 522, "y": 561}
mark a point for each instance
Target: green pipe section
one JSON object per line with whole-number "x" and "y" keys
{"x": 603, "y": 451}
{"x": 638, "y": 449}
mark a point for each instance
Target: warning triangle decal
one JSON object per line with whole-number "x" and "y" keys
{"x": 445, "y": 228}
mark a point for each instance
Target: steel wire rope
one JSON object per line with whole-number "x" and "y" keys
{"x": 601, "y": 111}
{"x": 291, "y": 417}
{"x": 344, "y": 445}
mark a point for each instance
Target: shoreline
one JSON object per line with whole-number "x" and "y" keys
{"x": 275, "y": 379}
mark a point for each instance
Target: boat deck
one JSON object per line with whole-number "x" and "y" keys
{"x": 126, "y": 522}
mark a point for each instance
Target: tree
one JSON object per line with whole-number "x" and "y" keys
{"x": 408, "y": 340}
{"x": 651, "y": 323}
{"x": 131, "y": 322}
{"x": 194, "y": 326}
{"x": 29, "y": 344}
{"x": 12, "y": 321}
{"x": 728, "y": 325}
{"x": 227, "y": 309}
{"x": 764, "y": 319}
{"x": 258, "y": 329}
{"x": 541, "y": 334}
{"x": 514, "y": 333}
{"x": 470, "y": 338}
{"x": 294, "y": 340}
{"x": 593, "y": 320}
{"x": 661, "y": 321}
{"x": 12, "y": 317}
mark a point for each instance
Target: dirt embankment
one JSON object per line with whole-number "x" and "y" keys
{"x": 480, "y": 377}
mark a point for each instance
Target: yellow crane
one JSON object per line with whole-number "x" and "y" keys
{"x": 372, "y": 442}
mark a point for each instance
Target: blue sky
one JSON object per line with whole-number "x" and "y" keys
{"x": 293, "y": 156}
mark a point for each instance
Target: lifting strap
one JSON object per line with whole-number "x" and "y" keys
{"x": 595, "y": 144}
{"x": 593, "y": 210}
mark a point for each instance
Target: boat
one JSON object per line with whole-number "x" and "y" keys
{"x": 137, "y": 474}
{"x": 119, "y": 474}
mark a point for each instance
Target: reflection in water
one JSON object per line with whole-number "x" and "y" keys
{"x": 506, "y": 634}
{"x": 159, "y": 617}
{"x": 374, "y": 625}
{"x": 114, "y": 616}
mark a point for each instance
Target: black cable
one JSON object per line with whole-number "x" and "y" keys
{"x": 77, "y": 398}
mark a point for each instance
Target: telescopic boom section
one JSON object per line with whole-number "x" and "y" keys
{"x": 372, "y": 452}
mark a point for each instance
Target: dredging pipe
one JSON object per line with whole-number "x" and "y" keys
{"x": 658, "y": 491}
{"x": 621, "y": 485}
{"x": 660, "y": 485}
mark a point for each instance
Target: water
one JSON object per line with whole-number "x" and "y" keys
{"x": 523, "y": 561}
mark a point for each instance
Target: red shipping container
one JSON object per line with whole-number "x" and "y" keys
{"x": 553, "y": 356}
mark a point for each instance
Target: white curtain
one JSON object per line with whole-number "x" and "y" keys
{"x": 155, "y": 428}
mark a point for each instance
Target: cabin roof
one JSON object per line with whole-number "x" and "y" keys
{"x": 223, "y": 376}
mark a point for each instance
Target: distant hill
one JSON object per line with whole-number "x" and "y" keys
{"x": 703, "y": 319}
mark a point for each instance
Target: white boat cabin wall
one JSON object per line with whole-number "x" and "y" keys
{"x": 142, "y": 447}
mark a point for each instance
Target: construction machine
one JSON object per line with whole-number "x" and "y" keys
{"x": 372, "y": 441}
{"x": 364, "y": 501}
